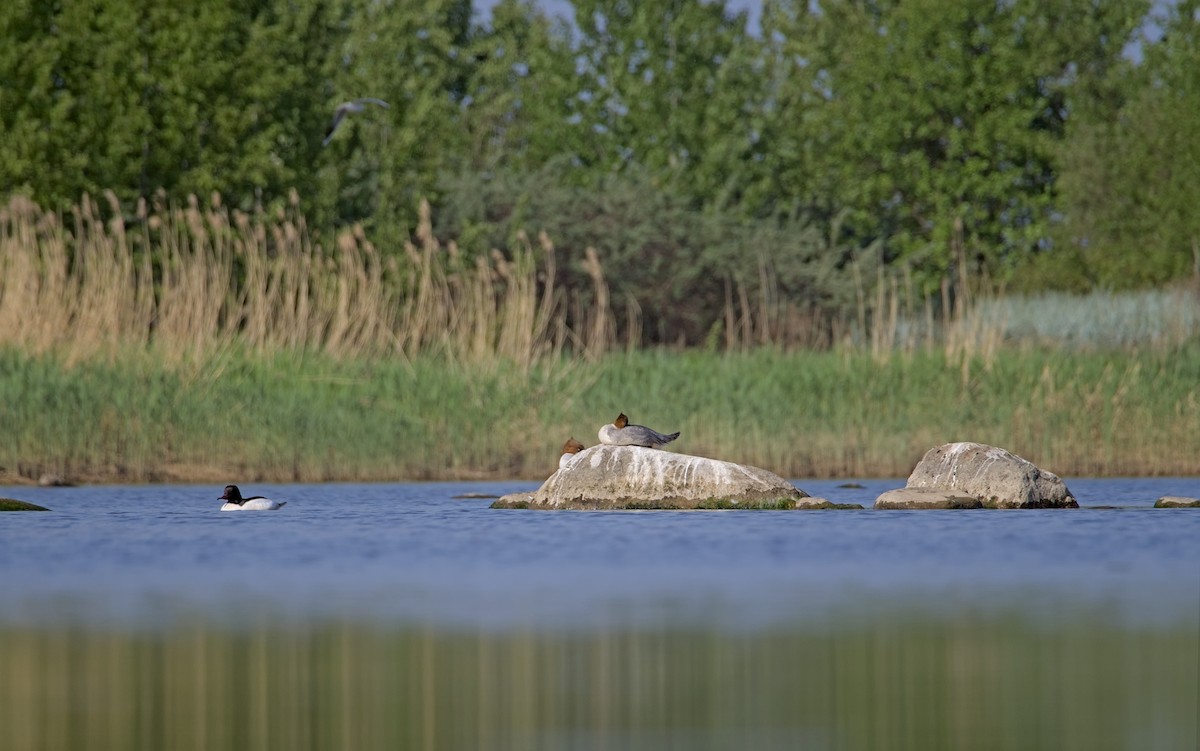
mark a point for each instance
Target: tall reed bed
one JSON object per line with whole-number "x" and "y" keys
{"x": 187, "y": 281}
{"x": 192, "y": 280}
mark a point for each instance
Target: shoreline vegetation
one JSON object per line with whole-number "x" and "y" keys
{"x": 200, "y": 344}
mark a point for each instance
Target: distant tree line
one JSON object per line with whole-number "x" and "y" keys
{"x": 1039, "y": 143}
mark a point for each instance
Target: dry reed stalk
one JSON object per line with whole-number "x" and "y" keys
{"x": 195, "y": 272}
{"x": 729, "y": 318}
{"x": 633, "y": 324}
{"x": 769, "y": 310}
{"x": 739, "y": 318}
{"x": 553, "y": 302}
{"x": 766, "y": 318}
{"x": 860, "y": 299}
{"x": 499, "y": 307}
{"x": 34, "y": 270}
{"x": 526, "y": 308}
{"x": 196, "y": 279}
{"x": 598, "y": 323}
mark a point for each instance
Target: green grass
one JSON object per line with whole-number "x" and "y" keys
{"x": 806, "y": 414}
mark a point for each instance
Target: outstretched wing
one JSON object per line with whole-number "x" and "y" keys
{"x": 345, "y": 108}
{"x": 372, "y": 100}
{"x": 338, "y": 115}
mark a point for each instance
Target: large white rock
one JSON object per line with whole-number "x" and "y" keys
{"x": 997, "y": 478}
{"x": 631, "y": 477}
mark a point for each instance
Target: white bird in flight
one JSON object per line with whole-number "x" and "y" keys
{"x": 346, "y": 108}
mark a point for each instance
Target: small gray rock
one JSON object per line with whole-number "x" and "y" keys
{"x": 1177, "y": 501}
{"x": 926, "y": 498}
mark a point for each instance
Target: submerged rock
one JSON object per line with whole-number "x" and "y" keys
{"x": 992, "y": 476}
{"x": 633, "y": 477}
{"x": 12, "y": 504}
{"x": 926, "y": 498}
{"x": 1177, "y": 501}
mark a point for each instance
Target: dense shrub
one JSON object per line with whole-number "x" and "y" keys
{"x": 685, "y": 270}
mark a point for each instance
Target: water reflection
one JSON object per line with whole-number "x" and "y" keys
{"x": 903, "y": 681}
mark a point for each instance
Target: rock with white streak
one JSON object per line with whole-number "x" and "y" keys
{"x": 633, "y": 477}
{"x": 994, "y": 476}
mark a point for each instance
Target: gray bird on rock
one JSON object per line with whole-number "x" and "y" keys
{"x": 621, "y": 433}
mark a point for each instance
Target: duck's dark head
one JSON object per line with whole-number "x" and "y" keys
{"x": 232, "y": 494}
{"x": 621, "y": 420}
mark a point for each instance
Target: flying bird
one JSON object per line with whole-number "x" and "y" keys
{"x": 347, "y": 108}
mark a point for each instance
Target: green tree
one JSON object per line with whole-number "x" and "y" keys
{"x": 1131, "y": 173}
{"x": 938, "y": 120}
{"x": 70, "y": 105}
{"x": 671, "y": 87}
{"x": 519, "y": 112}
{"x": 134, "y": 96}
{"x": 413, "y": 55}
{"x": 241, "y": 108}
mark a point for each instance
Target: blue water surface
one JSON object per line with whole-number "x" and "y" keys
{"x": 414, "y": 553}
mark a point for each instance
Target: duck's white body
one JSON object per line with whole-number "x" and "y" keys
{"x": 254, "y": 504}
{"x": 621, "y": 433}
{"x": 570, "y": 449}
{"x": 235, "y": 502}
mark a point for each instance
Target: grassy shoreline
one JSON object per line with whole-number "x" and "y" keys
{"x": 199, "y": 344}
{"x": 303, "y": 417}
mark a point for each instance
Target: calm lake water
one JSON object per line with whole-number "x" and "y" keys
{"x": 399, "y": 616}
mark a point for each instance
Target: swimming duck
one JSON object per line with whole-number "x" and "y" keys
{"x": 621, "y": 433}
{"x": 234, "y": 501}
{"x": 569, "y": 450}
{"x": 346, "y": 108}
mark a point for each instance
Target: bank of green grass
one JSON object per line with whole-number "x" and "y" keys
{"x": 241, "y": 416}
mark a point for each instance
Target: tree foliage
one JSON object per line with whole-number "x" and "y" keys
{"x": 1132, "y": 172}
{"x": 521, "y": 110}
{"x": 681, "y": 272}
{"x": 930, "y": 119}
{"x": 134, "y": 96}
{"x": 1010, "y": 134}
